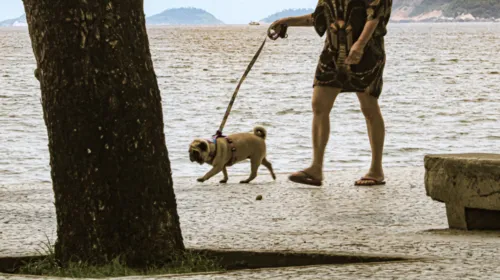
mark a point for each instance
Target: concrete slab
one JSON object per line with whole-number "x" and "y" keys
{"x": 469, "y": 185}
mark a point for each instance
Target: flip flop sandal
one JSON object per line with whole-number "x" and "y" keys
{"x": 303, "y": 178}
{"x": 368, "y": 182}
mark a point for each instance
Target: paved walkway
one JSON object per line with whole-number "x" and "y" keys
{"x": 396, "y": 219}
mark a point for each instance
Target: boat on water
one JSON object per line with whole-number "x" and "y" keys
{"x": 254, "y": 23}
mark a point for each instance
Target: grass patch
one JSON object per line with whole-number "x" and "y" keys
{"x": 186, "y": 263}
{"x": 189, "y": 261}
{"x": 47, "y": 265}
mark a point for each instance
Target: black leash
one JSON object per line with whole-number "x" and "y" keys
{"x": 271, "y": 34}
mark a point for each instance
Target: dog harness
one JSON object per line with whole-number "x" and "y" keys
{"x": 231, "y": 146}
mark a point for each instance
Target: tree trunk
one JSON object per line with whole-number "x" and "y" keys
{"x": 102, "y": 107}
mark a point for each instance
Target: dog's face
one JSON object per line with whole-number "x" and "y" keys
{"x": 199, "y": 151}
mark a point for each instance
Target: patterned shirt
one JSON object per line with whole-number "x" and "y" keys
{"x": 354, "y": 12}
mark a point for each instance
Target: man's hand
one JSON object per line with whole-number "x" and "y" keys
{"x": 277, "y": 25}
{"x": 355, "y": 54}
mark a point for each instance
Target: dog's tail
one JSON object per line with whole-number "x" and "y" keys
{"x": 260, "y": 131}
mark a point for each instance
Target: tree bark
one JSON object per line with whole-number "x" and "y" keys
{"x": 102, "y": 107}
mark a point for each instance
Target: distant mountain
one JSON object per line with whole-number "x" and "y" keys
{"x": 402, "y": 11}
{"x": 20, "y": 21}
{"x": 445, "y": 10}
{"x": 184, "y": 16}
{"x": 180, "y": 16}
{"x": 287, "y": 13}
{"x": 425, "y": 11}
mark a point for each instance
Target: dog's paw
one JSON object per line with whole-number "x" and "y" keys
{"x": 223, "y": 181}
{"x": 201, "y": 180}
{"x": 244, "y": 182}
{"x": 274, "y": 177}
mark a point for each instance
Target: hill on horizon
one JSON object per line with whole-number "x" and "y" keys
{"x": 421, "y": 10}
{"x": 177, "y": 16}
{"x": 20, "y": 21}
{"x": 424, "y": 11}
{"x": 287, "y": 13}
{"x": 184, "y": 16}
{"x": 402, "y": 11}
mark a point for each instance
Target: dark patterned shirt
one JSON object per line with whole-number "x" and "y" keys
{"x": 354, "y": 12}
{"x": 343, "y": 21}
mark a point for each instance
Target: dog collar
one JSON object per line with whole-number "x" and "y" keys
{"x": 214, "y": 152}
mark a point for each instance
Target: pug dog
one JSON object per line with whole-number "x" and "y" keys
{"x": 226, "y": 151}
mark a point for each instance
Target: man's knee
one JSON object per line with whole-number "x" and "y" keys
{"x": 323, "y": 99}
{"x": 320, "y": 107}
{"x": 371, "y": 112}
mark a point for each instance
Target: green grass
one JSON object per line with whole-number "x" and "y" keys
{"x": 188, "y": 262}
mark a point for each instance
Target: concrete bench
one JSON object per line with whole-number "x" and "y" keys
{"x": 469, "y": 185}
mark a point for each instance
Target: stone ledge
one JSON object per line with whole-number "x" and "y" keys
{"x": 469, "y": 185}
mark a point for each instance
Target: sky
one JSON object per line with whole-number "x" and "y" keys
{"x": 229, "y": 11}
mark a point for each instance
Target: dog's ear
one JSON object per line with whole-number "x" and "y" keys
{"x": 203, "y": 146}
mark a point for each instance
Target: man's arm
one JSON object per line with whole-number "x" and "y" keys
{"x": 368, "y": 30}
{"x": 305, "y": 20}
{"x": 357, "y": 49}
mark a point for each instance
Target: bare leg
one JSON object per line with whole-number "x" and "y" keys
{"x": 322, "y": 104}
{"x": 216, "y": 169}
{"x": 224, "y": 180}
{"x": 255, "y": 163}
{"x": 269, "y": 166}
{"x": 376, "y": 133}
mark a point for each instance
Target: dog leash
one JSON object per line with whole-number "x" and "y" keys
{"x": 271, "y": 34}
